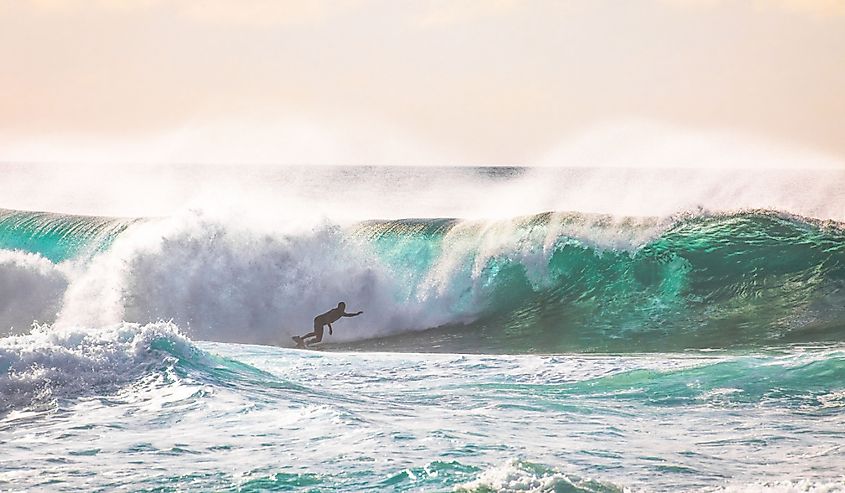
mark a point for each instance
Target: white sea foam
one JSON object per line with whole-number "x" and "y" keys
{"x": 517, "y": 476}
{"x": 52, "y": 362}
{"x": 797, "y": 486}
{"x": 31, "y": 289}
{"x": 221, "y": 281}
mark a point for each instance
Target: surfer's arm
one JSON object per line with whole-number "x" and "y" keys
{"x": 330, "y": 328}
{"x": 352, "y": 314}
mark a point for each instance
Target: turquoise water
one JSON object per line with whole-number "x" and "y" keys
{"x": 58, "y": 237}
{"x": 745, "y": 279}
{"x": 174, "y": 415}
{"x": 559, "y": 351}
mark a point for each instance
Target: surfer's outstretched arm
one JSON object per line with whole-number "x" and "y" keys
{"x": 351, "y": 314}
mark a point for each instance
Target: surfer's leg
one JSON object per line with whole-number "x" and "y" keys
{"x": 318, "y": 334}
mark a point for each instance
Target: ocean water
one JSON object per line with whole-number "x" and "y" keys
{"x": 523, "y": 330}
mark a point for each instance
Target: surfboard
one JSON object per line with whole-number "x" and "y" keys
{"x": 301, "y": 344}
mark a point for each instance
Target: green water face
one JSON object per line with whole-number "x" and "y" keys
{"x": 741, "y": 280}
{"x": 58, "y": 237}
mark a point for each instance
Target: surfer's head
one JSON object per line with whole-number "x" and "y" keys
{"x": 341, "y": 305}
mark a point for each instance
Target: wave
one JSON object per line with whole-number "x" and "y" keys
{"x": 558, "y": 282}
{"x": 541, "y": 283}
{"x": 51, "y": 365}
{"x": 798, "y": 379}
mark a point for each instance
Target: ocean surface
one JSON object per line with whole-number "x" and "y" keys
{"x": 523, "y": 330}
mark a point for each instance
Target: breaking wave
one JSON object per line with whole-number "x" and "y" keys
{"x": 545, "y": 282}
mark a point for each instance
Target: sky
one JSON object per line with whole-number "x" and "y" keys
{"x": 469, "y": 82}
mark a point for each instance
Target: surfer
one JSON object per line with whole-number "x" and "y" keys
{"x": 320, "y": 321}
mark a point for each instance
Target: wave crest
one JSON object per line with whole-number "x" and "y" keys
{"x": 52, "y": 363}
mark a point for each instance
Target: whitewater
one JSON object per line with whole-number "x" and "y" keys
{"x": 523, "y": 330}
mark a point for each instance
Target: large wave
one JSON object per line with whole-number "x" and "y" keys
{"x": 572, "y": 282}
{"x": 545, "y": 282}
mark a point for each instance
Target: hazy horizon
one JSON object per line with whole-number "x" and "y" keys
{"x": 677, "y": 83}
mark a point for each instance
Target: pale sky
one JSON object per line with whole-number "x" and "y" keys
{"x": 422, "y": 82}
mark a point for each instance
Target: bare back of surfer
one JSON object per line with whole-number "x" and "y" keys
{"x": 320, "y": 321}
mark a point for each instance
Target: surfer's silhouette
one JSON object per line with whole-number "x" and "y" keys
{"x": 320, "y": 321}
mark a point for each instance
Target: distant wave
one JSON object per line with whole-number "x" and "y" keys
{"x": 546, "y": 282}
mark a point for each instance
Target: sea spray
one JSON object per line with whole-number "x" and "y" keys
{"x": 31, "y": 290}
{"x": 223, "y": 282}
